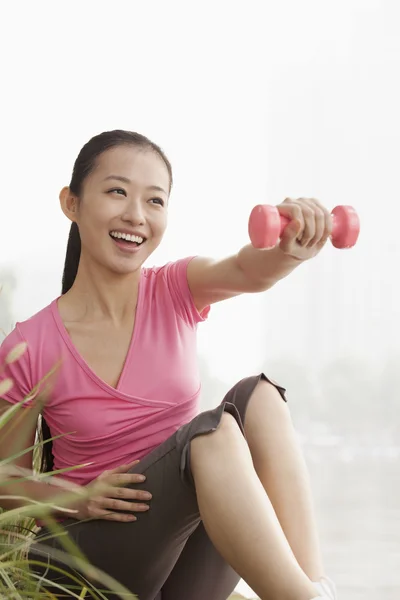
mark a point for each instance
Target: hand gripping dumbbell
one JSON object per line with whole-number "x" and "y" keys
{"x": 266, "y": 226}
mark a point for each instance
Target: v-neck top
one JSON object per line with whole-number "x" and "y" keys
{"x": 158, "y": 391}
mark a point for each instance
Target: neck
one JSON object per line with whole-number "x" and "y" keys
{"x": 99, "y": 294}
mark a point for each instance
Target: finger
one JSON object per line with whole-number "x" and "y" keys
{"x": 114, "y": 504}
{"x": 130, "y": 494}
{"x": 122, "y": 479}
{"x": 319, "y": 221}
{"x": 290, "y": 209}
{"x": 325, "y": 237}
{"x": 328, "y": 224}
{"x": 289, "y": 243}
{"x": 309, "y": 221}
{"x": 289, "y": 235}
{"x": 327, "y": 217}
{"x": 113, "y": 516}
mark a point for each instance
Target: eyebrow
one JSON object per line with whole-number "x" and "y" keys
{"x": 128, "y": 181}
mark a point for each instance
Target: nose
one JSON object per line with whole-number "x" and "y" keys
{"x": 134, "y": 212}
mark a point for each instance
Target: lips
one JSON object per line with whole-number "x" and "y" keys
{"x": 127, "y": 236}
{"x": 126, "y": 246}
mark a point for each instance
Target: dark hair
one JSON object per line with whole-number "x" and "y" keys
{"x": 84, "y": 165}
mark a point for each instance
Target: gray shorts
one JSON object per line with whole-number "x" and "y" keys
{"x": 166, "y": 554}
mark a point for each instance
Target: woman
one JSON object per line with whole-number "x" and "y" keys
{"x": 229, "y": 491}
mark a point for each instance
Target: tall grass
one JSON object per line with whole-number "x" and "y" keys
{"x": 20, "y": 576}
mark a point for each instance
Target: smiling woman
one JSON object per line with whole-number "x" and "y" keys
{"x": 118, "y": 145}
{"x": 99, "y": 208}
{"x": 125, "y": 402}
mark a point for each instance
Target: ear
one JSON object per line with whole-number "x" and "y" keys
{"x": 69, "y": 204}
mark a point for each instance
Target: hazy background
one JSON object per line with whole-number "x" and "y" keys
{"x": 252, "y": 102}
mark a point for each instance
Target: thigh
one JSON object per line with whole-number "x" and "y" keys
{"x": 142, "y": 554}
{"x": 200, "y": 572}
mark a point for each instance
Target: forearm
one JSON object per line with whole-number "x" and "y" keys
{"x": 265, "y": 267}
{"x": 15, "y": 494}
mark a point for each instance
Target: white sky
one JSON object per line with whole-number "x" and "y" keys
{"x": 252, "y": 102}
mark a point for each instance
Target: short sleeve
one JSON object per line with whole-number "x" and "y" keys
{"x": 175, "y": 274}
{"x": 18, "y": 371}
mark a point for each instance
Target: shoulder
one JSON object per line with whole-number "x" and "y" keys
{"x": 172, "y": 275}
{"x": 34, "y": 332}
{"x": 172, "y": 268}
{"x": 27, "y": 328}
{"x": 32, "y": 328}
{"x": 170, "y": 284}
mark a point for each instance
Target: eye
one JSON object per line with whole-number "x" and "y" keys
{"x": 118, "y": 191}
{"x": 159, "y": 201}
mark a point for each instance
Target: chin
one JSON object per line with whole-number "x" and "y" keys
{"x": 127, "y": 269}
{"x": 128, "y": 266}
{"x": 126, "y": 263}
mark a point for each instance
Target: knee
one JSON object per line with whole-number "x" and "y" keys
{"x": 218, "y": 447}
{"x": 227, "y": 429}
{"x": 268, "y": 392}
{"x": 266, "y": 401}
{"x": 228, "y": 426}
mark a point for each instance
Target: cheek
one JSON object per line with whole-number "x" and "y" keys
{"x": 161, "y": 229}
{"x": 95, "y": 215}
{"x": 157, "y": 223}
{"x": 91, "y": 227}
{"x": 163, "y": 222}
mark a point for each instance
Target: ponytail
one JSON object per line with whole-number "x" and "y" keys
{"x": 43, "y": 434}
{"x": 71, "y": 259}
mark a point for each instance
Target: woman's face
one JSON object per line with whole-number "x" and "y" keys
{"x": 123, "y": 201}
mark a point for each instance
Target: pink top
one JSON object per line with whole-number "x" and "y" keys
{"x": 157, "y": 393}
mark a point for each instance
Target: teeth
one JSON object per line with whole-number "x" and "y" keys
{"x": 126, "y": 236}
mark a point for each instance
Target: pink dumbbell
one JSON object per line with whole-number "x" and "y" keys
{"x": 266, "y": 226}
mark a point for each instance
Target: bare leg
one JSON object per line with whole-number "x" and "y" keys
{"x": 239, "y": 518}
{"x": 280, "y": 465}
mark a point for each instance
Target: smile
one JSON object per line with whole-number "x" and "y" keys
{"x": 127, "y": 242}
{"x": 127, "y": 237}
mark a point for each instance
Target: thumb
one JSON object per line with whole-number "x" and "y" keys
{"x": 291, "y": 231}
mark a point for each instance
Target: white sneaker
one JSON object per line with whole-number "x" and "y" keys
{"x": 326, "y": 588}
